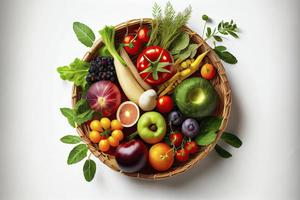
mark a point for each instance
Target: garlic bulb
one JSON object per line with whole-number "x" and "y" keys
{"x": 147, "y": 100}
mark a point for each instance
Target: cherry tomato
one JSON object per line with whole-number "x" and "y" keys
{"x": 176, "y": 139}
{"x": 191, "y": 147}
{"x": 117, "y": 134}
{"x": 155, "y": 65}
{"x": 104, "y": 145}
{"x": 95, "y": 125}
{"x": 143, "y": 34}
{"x": 208, "y": 71}
{"x": 165, "y": 104}
{"x": 113, "y": 141}
{"x": 105, "y": 123}
{"x": 131, "y": 44}
{"x": 182, "y": 155}
{"x": 116, "y": 125}
{"x": 94, "y": 136}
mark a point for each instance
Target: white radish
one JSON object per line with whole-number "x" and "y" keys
{"x": 133, "y": 69}
{"x": 128, "y": 83}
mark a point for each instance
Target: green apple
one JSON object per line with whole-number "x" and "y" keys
{"x": 152, "y": 127}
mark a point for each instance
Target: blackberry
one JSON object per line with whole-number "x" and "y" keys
{"x": 101, "y": 68}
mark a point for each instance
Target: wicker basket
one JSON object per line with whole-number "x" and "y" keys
{"x": 220, "y": 84}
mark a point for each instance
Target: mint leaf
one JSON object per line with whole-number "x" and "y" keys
{"x": 210, "y": 124}
{"x": 89, "y": 170}
{"x": 222, "y": 152}
{"x": 218, "y": 38}
{"x": 76, "y": 72}
{"x": 231, "y": 139}
{"x": 70, "y": 139}
{"x": 84, "y": 34}
{"x": 206, "y": 138}
{"x": 78, "y": 153}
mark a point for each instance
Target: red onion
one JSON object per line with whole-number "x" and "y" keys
{"x": 104, "y": 97}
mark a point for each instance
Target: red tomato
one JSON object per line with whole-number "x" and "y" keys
{"x": 176, "y": 139}
{"x": 191, "y": 147}
{"x": 164, "y": 104}
{"x": 131, "y": 44}
{"x": 143, "y": 34}
{"x": 182, "y": 155}
{"x": 208, "y": 71}
{"x": 155, "y": 65}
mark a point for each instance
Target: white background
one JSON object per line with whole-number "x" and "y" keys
{"x": 37, "y": 36}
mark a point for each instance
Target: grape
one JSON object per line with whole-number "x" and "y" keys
{"x": 101, "y": 68}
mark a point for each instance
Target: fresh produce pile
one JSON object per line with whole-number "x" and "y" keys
{"x": 147, "y": 100}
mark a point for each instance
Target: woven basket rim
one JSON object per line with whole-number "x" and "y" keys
{"x": 109, "y": 160}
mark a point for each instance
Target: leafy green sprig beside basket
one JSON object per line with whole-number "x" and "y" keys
{"x": 217, "y": 34}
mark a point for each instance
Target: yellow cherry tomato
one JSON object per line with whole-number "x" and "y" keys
{"x": 95, "y": 125}
{"x": 113, "y": 141}
{"x": 118, "y": 135}
{"x": 94, "y": 136}
{"x": 116, "y": 125}
{"x": 105, "y": 123}
{"x": 104, "y": 145}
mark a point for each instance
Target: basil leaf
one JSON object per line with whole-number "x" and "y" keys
{"x": 69, "y": 114}
{"x": 206, "y": 138}
{"x": 70, "y": 139}
{"x": 78, "y": 153}
{"x": 76, "y": 72}
{"x": 89, "y": 170}
{"x": 222, "y": 152}
{"x": 210, "y": 124}
{"x": 84, "y": 34}
{"x": 231, "y": 139}
{"x": 181, "y": 42}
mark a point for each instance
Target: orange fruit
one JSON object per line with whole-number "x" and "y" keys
{"x": 95, "y": 125}
{"x": 116, "y": 125}
{"x": 161, "y": 156}
{"x": 113, "y": 141}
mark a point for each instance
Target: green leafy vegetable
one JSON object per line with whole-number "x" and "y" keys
{"x": 89, "y": 169}
{"x": 84, "y": 34}
{"x": 108, "y": 38}
{"x": 80, "y": 114}
{"x": 190, "y": 51}
{"x": 70, "y": 139}
{"x": 180, "y": 43}
{"x": 222, "y": 152}
{"x": 206, "y": 138}
{"x": 75, "y": 72}
{"x": 231, "y": 139}
{"x": 225, "y": 55}
{"x": 166, "y": 27}
{"x": 103, "y": 51}
{"x": 78, "y": 153}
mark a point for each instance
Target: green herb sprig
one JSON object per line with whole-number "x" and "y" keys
{"x": 166, "y": 26}
{"x": 217, "y": 34}
{"x": 78, "y": 153}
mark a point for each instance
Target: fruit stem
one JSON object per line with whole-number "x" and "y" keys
{"x": 132, "y": 136}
